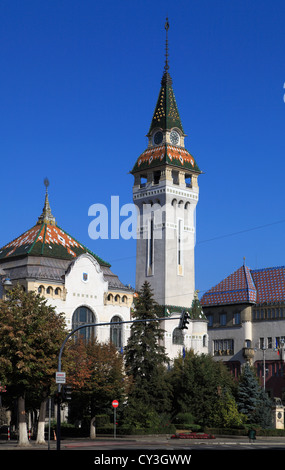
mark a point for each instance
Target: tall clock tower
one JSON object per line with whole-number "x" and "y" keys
{"x": 166, "y": 193}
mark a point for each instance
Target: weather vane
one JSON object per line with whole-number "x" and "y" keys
{"x": 46, "y": 182}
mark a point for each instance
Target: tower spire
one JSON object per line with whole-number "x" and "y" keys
{"x": 166, "y": 67}
{"x": 166, "y": 114}
{"x": 166, "y": 78}
{"x": 46, "y": 216}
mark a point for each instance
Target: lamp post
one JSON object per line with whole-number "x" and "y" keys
{"x": 264, "y": 371}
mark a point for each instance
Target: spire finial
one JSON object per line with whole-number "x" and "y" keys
{"x": 46, "y": 217}
{"x": 46, "y": 183}
{"x": 166, "y": 67}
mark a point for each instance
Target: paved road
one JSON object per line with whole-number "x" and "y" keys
{"x": 157, "y": 451}
{"x": 156, "y": 443}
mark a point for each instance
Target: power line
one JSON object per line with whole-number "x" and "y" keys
{"x": 218, "y": 237}
{"x": 241, "y": 231}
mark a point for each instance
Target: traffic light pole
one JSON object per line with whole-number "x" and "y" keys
{"x": 88, "y": 325}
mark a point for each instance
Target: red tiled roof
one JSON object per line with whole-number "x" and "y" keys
{"x": 248, "y": 286}
{"x": 270, "y": 284}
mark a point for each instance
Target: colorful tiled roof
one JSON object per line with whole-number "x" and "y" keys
{"x": 166, "y": 154}
{"x": 248, "y": 286}
{"x": 270, "y": 284}
{"x": 47, "y": 239}
{"x": 166, "y": 114}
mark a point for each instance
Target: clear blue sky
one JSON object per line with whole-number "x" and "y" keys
{"x": 79, "y": 80}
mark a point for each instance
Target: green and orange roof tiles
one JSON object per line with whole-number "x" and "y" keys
{"x": 49, "y": 241}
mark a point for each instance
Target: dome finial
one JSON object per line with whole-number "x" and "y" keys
{"x": 46, "y": 183}
{"x": 46, "y": 216}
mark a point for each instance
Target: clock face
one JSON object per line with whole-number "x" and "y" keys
{"x": 174, "y": 137}
{"x": 158, "y": 138}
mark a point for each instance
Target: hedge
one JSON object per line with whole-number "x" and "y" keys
{"x": 244, "y": 431}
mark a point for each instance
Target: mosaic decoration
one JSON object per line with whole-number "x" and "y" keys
{"x": 166, "y": 113}
{"x": 46, "y": 240}
{"x": 166, "y": 154}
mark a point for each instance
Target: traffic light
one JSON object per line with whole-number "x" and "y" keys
{"x": 57, "y": 397}
{"x": 184, "y": 320}
{"x": 66, "y": 393}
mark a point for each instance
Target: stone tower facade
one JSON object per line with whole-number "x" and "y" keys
{"x": 166, "y": 194}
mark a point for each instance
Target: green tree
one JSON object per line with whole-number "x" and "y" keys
{"x": 226, "y": 414}
{"x": 145, "y": 359}
{"x": 31, "y": 333}
{"x": 96, "y": 373}
{"x": 198, "y": 383}
{"x": 252, "y": 400}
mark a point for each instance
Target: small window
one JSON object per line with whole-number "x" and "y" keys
{"x": 237, "y": 318}
{"x": 41, "y": 290}
{"x": 175, "y": 177}
{"x": 49, "y": 290}
{"x": 57, "y": 291}
{"x": 188, "y": 181}
{"x": 116, "y": 332}
{"x": 223, "y": 319}
{"x": 210, "y": 319}
{"x": 117, "y": 298}
{"x": 223, "y": 347}
{"x": 110, "y": 297}
{"x": 124, "y": 299}
{"x": 177, "y": 337}
{"x": 156, "y": 177}
{"x": 143, "y": 181}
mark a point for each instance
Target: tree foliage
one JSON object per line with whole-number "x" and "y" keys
{"x": 252, "y": 400}
{"x": 145, "y": 360}
{"x": 199, "y": 383}
{"x": 31, "y": 333}
{"x": 95, "y": 372}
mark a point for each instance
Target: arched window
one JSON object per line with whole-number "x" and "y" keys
{"x": 41, "y": 290}
{"x": 49, "y": 290}
{"x": 177, "y": 337}
{"x": 57, "y": 291}
{"x": 116, "y": 332}
{"x": 81, "y": 316}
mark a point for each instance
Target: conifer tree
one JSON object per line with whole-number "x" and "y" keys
{"x": 248, "y": 393}
{"x": 144, "y": 353}
{"x": 252, "y": 400}
{"x": 145, "y": 358}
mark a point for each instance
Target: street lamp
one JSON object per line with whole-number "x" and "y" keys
{"x": 264, "y": 370}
